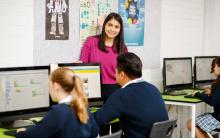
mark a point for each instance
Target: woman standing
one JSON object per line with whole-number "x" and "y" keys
{"x": 104, "y": 49}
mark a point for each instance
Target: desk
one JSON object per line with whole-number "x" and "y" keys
{"x": 181, "y": 101}
{"x": 2, "y": 135}
{"x": 92, "y": 109}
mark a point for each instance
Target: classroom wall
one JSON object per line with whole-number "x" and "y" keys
{"x": 212, "y": 27}
{"x": 172, "y": 28}
{"x": 188, "y": 28}
{"x": 16, "y": 32}
{"x": 53, "y": 51}
{"x": 182, "y": 28}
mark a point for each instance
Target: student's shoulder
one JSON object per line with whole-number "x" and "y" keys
{"x": 91, "y": 41}
{"x": 137, "y": 85}
{"x": 118, "y": 93}
{"x": 141, "y": 85}
{"x": 60, "y": 108}
{"x": 94, "y": 38}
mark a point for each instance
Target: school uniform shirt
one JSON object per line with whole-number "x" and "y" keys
{"x": 212, "y": 100}
{"x": 61, "y": 122}
{"x": 138, "y": 105}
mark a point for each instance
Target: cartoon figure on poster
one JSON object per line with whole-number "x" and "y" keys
{"x": 132, "y": 11}
{"x": 57, "y": 8}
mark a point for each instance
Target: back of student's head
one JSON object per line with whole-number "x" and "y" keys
{"x": 72, "y": 84}
{"x": 215, "y": 61}
{"x": 130, "y": 64}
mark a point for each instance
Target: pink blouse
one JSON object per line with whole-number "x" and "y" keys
{"x": 90, "y": 53}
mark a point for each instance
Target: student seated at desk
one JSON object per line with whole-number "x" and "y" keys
{"x": 68, "y": 119}
{"x": 208, "y": 122}
{"x": 138, "y": 104}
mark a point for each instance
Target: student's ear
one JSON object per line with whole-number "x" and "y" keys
{"x": 122, "y": 74}
{"x": 56, "y": 86}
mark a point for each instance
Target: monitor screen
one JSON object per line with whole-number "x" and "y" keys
{"x": 177, "y": 73}
{"x": 24, "y": 92}
{"x": 91, "y": 76}
{"x": 202, "y": 68}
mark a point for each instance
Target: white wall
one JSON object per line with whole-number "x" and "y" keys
{"x": 188, "y": 28}
{"x": 58, "y": 51}
{"x": 182, "y": 28}
{"x": 16, "y": 33}
{"x": 178, "y": 27}
{"x": 212, "y": 27}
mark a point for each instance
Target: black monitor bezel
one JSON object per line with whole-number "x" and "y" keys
{"x": 168, "y": 88}
{"x": 86, "y": 64}
{"x": 194, "y": 70}
{"x": 24, "y": 113}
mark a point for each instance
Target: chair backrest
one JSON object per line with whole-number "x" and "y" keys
{"x": 113, "y": 135}
{"x": 163, "y": 129}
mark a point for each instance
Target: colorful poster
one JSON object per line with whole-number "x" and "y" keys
{"x": 92, "y": 15}
{"x": 132, "y": 13}
{"x": 57, "y": 20}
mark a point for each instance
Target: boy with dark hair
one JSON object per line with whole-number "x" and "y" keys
{"x": 138, "y": 104}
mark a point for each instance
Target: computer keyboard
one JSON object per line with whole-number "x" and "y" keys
{"x": 183, "y": 92}
{"x": 189, "y": 96}
{"x": 177, "y": 92}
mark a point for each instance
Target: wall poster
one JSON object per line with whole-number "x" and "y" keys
{"x": 132, "y": 12}
{"x": 92, "y": 15}
{"x": 57, "y": 20}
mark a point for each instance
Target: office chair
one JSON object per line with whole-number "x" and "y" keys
{"x": 163, "y": 129}
{"x": 113, "y": 135}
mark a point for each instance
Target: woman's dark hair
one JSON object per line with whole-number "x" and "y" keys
{"x": 119, "y": 45}
{"x": 130, "y": 64}
{"x": 215, "y": 61}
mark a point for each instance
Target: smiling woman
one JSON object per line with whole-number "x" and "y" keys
{"x": 112, "y": 29}
{"x": 104, "y": 49}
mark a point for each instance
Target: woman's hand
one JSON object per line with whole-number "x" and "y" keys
{"x": 21, "y": 129}
{"x": 78, "y": 61}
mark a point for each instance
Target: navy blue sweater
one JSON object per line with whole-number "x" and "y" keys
{"x": 61, "y": 122}
{"x": 212, "y": 100}
{"x": 138, "y": 106}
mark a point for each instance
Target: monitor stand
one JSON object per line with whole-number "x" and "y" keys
{"x": 16, "y": 124}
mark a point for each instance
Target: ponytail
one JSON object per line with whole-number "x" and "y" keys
{"x": 79, "y": 102}
{"x": 72, "y": 85}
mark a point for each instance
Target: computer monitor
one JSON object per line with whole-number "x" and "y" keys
{"x": 202, "y": 68}
{"x": 24, "y": 93}
{"x": 177, "y": 73}
{"x": 90, "y": 73}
